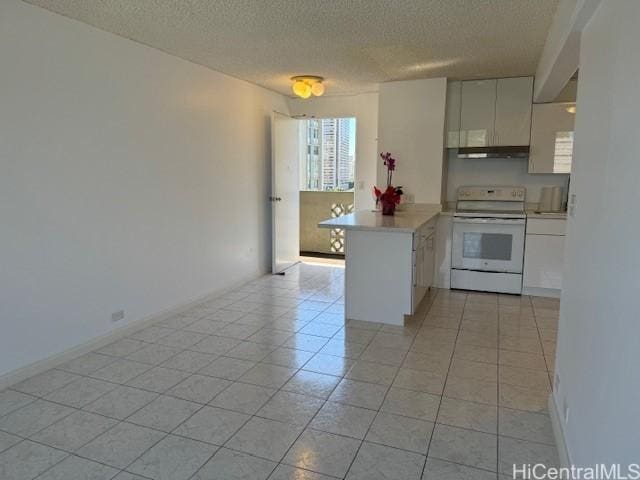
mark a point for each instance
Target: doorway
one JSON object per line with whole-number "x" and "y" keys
{"x": 313, "y": 179}
{"x": 327, "y": 180}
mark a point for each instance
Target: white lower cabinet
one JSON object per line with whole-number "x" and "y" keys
{"x": 429, "y": 260}
{"x": 544, "y": 257}
{"x": 444, "y": 238}
{"x": 387, "y": 272}
{"x": 424, "y": 262}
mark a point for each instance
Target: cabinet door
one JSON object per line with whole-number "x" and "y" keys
{"x": 429, "y": 261}
{"x": 543, "y": 261}
{"x": 418, "y": 262}
{"x": 477, "y": 115}
{"x": 453, "y": 114}
{"x": 513, "y": 111}
{"x": 551, "y": 148}
{"x": 419, "y": 289}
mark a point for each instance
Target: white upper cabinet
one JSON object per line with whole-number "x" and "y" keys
{"x": 477, "y": 114}
{"x": 513, "y": 111}
{"x": 551, "y": 148}
{"x": 453, "y": 114}
{"x": 493, "y": 112}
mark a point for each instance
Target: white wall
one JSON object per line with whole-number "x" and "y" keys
{"x": 598, "y": 357}
{"x": 497, "y": 171}
{"x": 411, "y": 127}
{"x": 364, "y": 108}
{"x": 130, "y": 179}
{"x": 560, "y": 57}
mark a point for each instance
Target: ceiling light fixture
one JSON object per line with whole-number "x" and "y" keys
{"x": 306, "y": 85}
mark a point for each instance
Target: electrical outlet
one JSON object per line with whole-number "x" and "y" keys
{"x": 565, "y": 410}
{"x": 408, "y": 198}
{"x": 117, "y": 316}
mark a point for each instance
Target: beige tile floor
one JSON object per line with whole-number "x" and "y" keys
{"x": 269, "y": 381}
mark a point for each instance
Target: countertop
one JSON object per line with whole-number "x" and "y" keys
{"x": 406, "y": 221}
{"x": 549, "y": 216}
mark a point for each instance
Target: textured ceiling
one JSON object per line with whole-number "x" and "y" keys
{"x": 354, "y": 44}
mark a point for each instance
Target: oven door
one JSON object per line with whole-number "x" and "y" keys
{"x": 488, "y": 244}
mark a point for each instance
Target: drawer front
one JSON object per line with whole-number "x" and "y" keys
{"x": 546, "y": 226}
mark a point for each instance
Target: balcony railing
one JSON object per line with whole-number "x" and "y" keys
{"x": 318, "y": 206}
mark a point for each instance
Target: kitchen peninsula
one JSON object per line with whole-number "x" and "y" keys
{"x": 389, "y": 261}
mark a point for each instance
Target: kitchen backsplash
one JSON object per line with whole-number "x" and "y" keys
{"x": 498, "y": 171}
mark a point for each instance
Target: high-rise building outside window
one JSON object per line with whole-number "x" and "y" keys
{"x": 328, "y": 163}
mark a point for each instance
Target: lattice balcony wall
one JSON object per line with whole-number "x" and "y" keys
{"x": 336, "y": 235}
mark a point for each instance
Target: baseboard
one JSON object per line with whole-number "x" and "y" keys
{"x": 558, "y": 432}
{"x": 541, "y": 292}
{"x": 22, "y": 373}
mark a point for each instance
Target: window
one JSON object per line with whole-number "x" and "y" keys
{"x": 329, "y": 161}
{"x": 563, "y": 152}
{"x": 487, "y": 246}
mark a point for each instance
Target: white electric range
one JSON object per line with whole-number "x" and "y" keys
{"x": 488, "y": 239}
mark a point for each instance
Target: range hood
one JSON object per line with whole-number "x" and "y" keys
{"x": 494, "y": 152}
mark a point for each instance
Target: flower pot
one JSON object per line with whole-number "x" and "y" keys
{"x": 388, "y": 207}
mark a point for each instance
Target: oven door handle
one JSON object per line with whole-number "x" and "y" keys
{"x": 490, "y": 221}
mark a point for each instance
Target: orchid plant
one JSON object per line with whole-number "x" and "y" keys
{"x": 391, "y": 196}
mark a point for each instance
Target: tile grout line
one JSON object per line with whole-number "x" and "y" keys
{"x": 435, "y": 421}
{"x": 202, "y": 407}
{"x": 239, "y": 428}
{"x": 264, "y": 325}
{"x": 280, "y": 389}
{"x": 385, "y": 397}
{"x": 535, "y": 318}
{"x": 76, "y": 409}
{"x": 325, "y": 400}
{"x": 498, "y": 370}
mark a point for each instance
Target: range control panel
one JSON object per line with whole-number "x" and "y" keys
{"x": 493, "y": 194}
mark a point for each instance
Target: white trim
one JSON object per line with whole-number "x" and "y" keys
{"x": 541, "y": 292}
{"x": 22, "y": 373}
{"x": 558, "y": 432}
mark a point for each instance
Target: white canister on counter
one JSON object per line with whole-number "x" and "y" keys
{"x": 545, "y": 199}
{"x": 556, "y": 199}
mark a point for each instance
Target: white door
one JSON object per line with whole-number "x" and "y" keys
{"x": 513, "y": 111}
{"x": 285, "y": 191}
